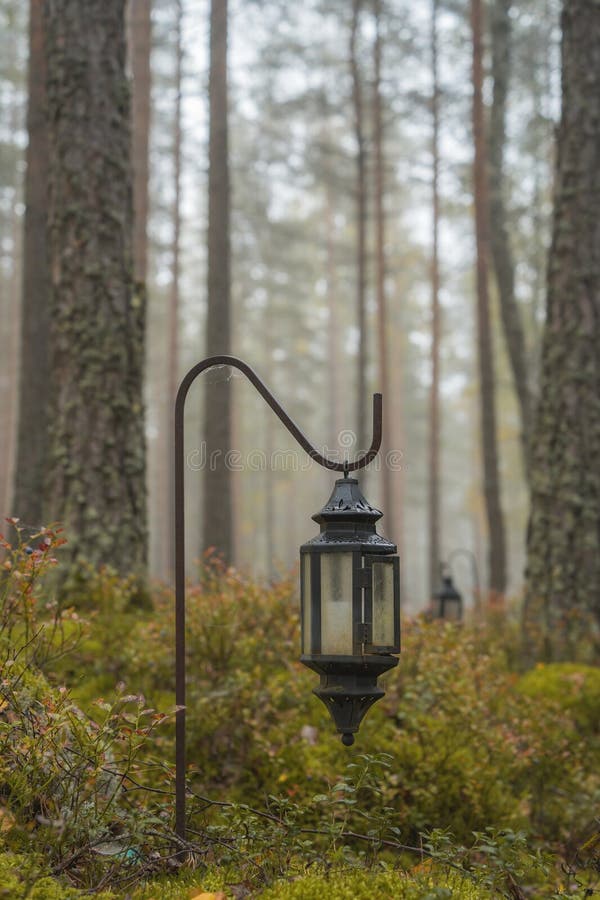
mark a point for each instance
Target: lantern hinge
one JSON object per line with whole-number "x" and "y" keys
{"x": 365, "y": 578}
{"x": 364, "y": 631}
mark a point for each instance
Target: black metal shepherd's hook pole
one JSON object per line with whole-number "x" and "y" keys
{"x": 234, "y": 362}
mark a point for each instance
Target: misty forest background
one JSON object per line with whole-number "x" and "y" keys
{"x": 376, "y": 181}
{"x": 352, "y": 196}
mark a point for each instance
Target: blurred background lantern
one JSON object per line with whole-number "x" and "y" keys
{"x": 447, "y": 600}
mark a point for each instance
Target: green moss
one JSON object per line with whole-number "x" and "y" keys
{"x": 179, "y": 887}
{"x": 432, "y": 884}
{"x": 22, "y": 877}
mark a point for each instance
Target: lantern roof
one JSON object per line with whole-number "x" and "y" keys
{"x": 347, "y": 504}
{"x": 348, "y": 518}
{"x": 447, "y": 590}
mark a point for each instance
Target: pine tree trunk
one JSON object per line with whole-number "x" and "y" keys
{"x": 393, "y": 409}
{"x": 361, "y": 231}
{"x": 139, "y": 45}
{"x": 34, "y": 387}
{"x": 96, "y": 467}
{"x": 217, "y": 521}
{"x": 434, "y": 392}
{"x": 500, "y": 243}
{"x": 8, "y": 425}
{"x": 333, "y": 325}
{"x": 491, "y": 477}
{"x": 270, "y": 475}
{"x": 563, "y": 561}
{"x": 140, "y": 42}
{"x": 173, "y": 336}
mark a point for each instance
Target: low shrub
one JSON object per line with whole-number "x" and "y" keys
{"x": 460, "y": 745}
{"x": 68, "y": 782}
{"x": 572, "y": 688}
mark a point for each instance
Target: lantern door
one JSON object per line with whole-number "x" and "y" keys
{"x": 382, "y": 603}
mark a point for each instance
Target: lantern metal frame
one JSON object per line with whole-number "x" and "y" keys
{"x": 179, "y": 473}
{"x": 349, "y": 681}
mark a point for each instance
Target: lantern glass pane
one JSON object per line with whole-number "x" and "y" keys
{"x": 383, "y": 603}
{"x": 452, "y": 610}
{"x": 336, "y": 604}
{"x": 306, "y": 603}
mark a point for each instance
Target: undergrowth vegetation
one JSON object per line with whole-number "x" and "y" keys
{"x": 470, "y": 779}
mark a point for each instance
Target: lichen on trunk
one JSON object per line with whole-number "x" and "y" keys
{"x": 562, "y": 602}
{"x": 96, "y": 461}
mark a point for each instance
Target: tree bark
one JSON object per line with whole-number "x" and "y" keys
{"x": 491, "y": 477}
{"x": 8, "y": 429}
{"x": 217, "y": 521}
{"x": 500, "y": 243}
{"x": 270, "y": 475}
{"x": 393, "y": 408}
{"x": 333, "y": 324}
{"x": 434, "y": 391}
{"x": 96, "y": 465}
{"x": 172, "y": 381}
{"x": 562, "y": 601}
{"x": 140, "y": 42}
{"x": 361, "y": 229}
{"x": 34, "y": 386}
{"x": 392, "y": 481}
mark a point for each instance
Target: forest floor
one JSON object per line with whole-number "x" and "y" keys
{"x": 473, "y": 778}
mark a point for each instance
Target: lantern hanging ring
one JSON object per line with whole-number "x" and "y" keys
{"x": 346, "y": 467}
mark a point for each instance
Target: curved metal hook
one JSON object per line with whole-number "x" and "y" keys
{"x": 289, "y": 423}
{"x": 365, "y": 459}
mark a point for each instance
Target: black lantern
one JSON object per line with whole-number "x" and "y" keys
{"x": 448, "y": 602}
{"x": 350, "y": 590}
